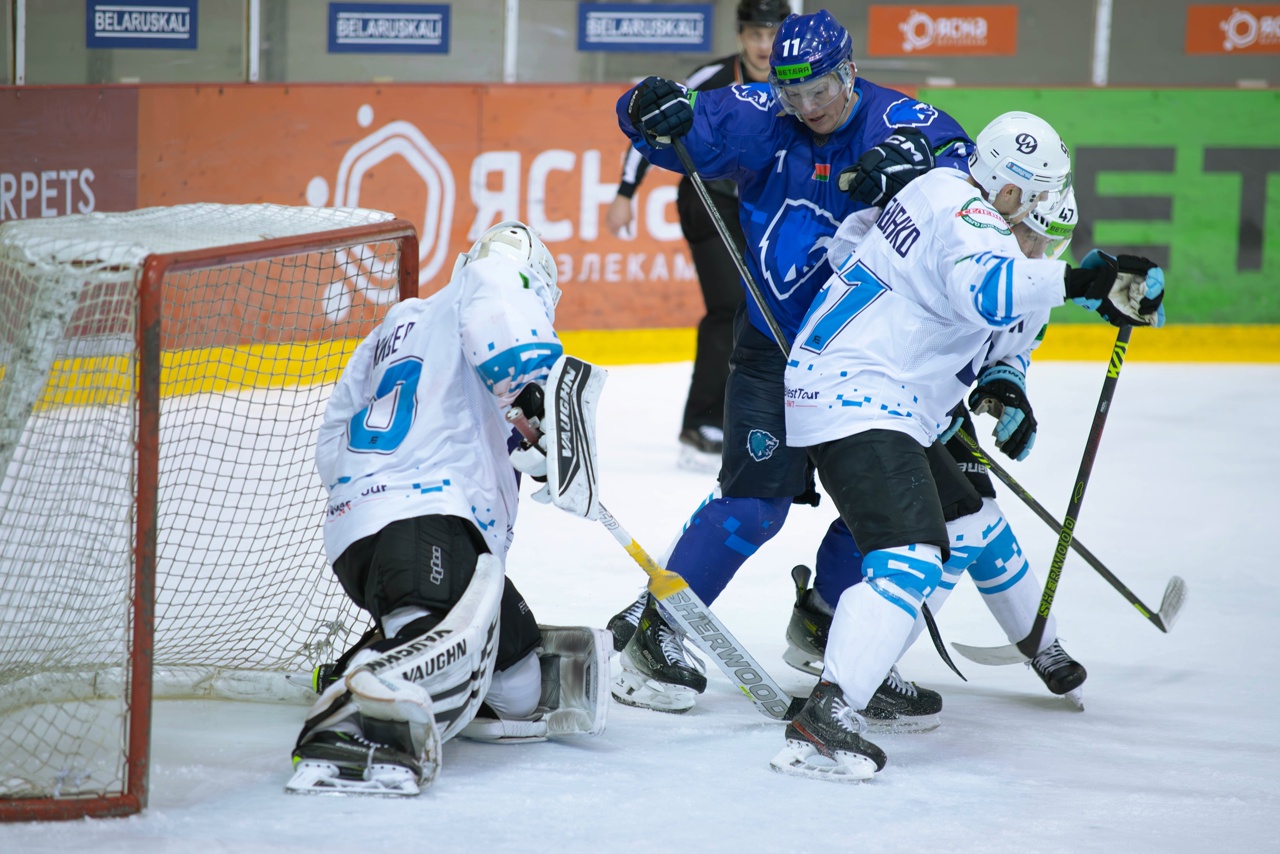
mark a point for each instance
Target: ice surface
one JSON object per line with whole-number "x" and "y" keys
{"x": 1177, "y": 751}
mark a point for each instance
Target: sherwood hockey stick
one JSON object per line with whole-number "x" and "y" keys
{"x": 779, "y": 336}
{"x": 1174, "y": 594}
{"x": 1028, "y": 647}
{"x": 685, "y": 608}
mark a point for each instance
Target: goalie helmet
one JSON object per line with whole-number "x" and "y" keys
{"x": 1052, "y": 231}
{"x": 1023, "y": 150}
{"x": 812, "y": 62}
{"x": 518, "y": 243}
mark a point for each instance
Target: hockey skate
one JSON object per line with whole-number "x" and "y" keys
{"x": 700, "y": 449}
{"x": 1061, "y": 674}
{"x": 622, "y": 625}
{"x": 902, "y": 706}
{"x": 809, "y": 626}
{"x": 825, "y": 741}
{"x": 656, "y": 672}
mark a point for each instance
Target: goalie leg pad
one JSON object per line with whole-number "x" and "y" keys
{"x": 453, "y": 662}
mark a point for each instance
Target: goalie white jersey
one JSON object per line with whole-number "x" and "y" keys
{"x": 936, "y": 289}
{"x": 384, "y": 455}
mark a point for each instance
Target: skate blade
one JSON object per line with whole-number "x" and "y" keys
{"x": 632, "y": 689}
{"x": 905, "y": 724}
{"x": 1076, "y": 696}
{"x": 803, "y": 661}
{"x": 802, "y": 759}
{"x": 311, "y": 777}
{"x": 691, "y": 459}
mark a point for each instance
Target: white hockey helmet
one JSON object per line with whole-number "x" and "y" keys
{"x": 1023, "y": 150}
{"x": 1053, "y": 230}
{"x": 518, "y": 243}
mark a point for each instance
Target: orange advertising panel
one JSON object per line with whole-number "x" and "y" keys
{"x": 942, "y": 30}
{"x": 1233, "y": 29}
{"x": 453, "y": 159}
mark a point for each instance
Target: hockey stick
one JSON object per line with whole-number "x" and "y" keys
{"x": 1028, "y": 647}
{"x": 683, "y": 607}
{"x": 1174, "y": 594}
{"x": 779, "y": 336}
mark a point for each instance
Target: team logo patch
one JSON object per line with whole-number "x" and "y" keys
{"x": 794, "y": 247}
{"x": 979, "y": 215}
{"x": 822, "y": 171}
{"x": 761, "y": 445}
{"x": 755, "y": 95}
{"x": 909, "y": 112}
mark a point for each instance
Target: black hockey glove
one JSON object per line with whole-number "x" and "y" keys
{"x": 1127, "y": 290}
{"x": 1003, "y": 390}
{"x": 884, "y": 170}
{"x": 660, "y": 110}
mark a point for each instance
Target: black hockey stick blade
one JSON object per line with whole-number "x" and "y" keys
{"x": 936, "y": 636}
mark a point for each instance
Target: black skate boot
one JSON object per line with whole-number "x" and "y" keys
{"x": 360, "y": 756}
{"x": 656, "y": 670}
{"x": 902, "y": 706}
{"x": 809, "y": 626}
{"x": 700, "y": 448}
{"x": 1061, "y": 673}
{"x": 622, "y": 625}
{"x": 825, "y": 741}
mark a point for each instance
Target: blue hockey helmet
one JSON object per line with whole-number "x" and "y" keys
{"x": 812, "y": 62}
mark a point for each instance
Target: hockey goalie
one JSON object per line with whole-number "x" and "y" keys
{"x": 414, "y": 452}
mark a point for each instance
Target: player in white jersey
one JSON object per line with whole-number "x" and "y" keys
{"x": 981, "y": 541}
{"x": 935, "y": 290}
{"x": 413, "y": 451}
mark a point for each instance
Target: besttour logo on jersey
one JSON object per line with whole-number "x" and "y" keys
{"x": 943, "y": 30}
{"x": 145, "y": 24}
{"x": 978, "y": 214}
{"x": 387, "y": 28}
{"x": 1250, "y": 28}
{"x": 627, "y": 27}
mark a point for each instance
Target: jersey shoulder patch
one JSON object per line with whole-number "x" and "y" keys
{"x": 755, "y": 95}
{"x": 908, "y": 112}
{"x": 977, "y": 213}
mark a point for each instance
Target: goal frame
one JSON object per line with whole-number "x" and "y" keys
{"x": 138, "y": 686}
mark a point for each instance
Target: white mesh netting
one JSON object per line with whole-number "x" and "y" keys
{"x": 248, "y": 354}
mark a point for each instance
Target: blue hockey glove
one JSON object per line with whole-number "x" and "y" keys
{"x": 660, "y": 110}
{"x": 884, "y": 170}
{"x": 1006, "y": 387}
{"x": 953, "y": 426}
{"x": 1126, "y": 290}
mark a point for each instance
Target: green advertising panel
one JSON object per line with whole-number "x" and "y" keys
{"x": 1189, "y": 178}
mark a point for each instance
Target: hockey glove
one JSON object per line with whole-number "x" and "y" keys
{"x": 884, "y": 170}
{"x": 953, "y": 426}
{"x": 660, "y": 110}
{"x": 1006, "y": 388}
{"x": 1127, "y": 290}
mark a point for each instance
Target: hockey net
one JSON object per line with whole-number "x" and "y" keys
{"x": 162, "y": 376}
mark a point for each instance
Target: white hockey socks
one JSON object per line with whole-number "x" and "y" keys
{"x": 1008, "y": 586}
{"x": 873, "y": 620}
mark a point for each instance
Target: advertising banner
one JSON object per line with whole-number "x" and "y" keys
{"x": 1175, "y": 175}
{"x": 454, "y": 160}
{"x": 1233, "y": 29}
{"x": 388, "y": 28}
{"x": 629, "y": 27}
{"x": 142, "y": 24}
{"x": 942, "y": 30}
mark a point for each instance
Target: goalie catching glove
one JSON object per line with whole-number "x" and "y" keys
{"x": 660, "y": 110}
{"x": 883, "y": 171}
{"x": 1127, "y": 290}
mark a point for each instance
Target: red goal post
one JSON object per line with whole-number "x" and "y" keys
{"x": 162, "y": 374}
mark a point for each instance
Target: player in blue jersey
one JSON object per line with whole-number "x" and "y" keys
{"x": 816, "y": 145}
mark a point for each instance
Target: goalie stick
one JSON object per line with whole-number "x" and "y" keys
{"x": 678, "y": 602}
{"x": 1175, "y": 593}
{"x": 780, "y": 338}
{"x": 1028, "y": 647}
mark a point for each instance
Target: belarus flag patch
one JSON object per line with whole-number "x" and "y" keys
{"x": 821, "y": 171}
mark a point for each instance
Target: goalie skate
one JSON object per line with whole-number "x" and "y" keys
{"x": 336, "y": 763}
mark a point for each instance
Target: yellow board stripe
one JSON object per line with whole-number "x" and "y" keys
{"x": 107, "y": 380}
